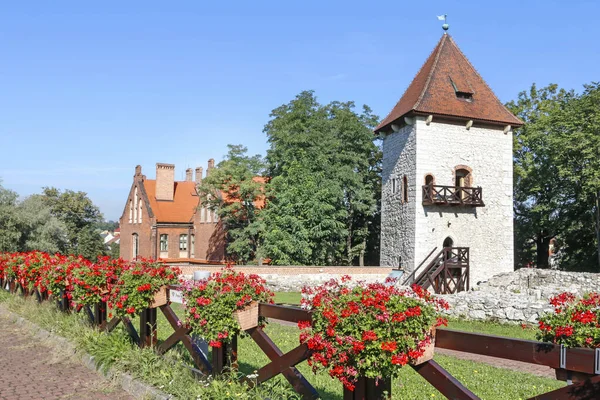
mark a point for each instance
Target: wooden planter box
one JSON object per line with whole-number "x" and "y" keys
{"x": 248, "y": 317}
{"x": 161, "y": 297}
{"x": 573, "y": 376}
{"x": 429, "y": 350}
{"x": 367, "y": 389}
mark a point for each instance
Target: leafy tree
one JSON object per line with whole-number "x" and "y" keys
{"x": 40, "y": 229}
{"x": 78, "y": 213}
{"x": 90, "y": 243}
{"x": 324, "y": 167}
{"x": 235, "y": 190}
{"x": 10, "y": 232}
{"x": 557, "y": 176}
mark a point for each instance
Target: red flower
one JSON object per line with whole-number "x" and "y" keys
{"x": 304, "y": 324}
{"x": 388, "y": 346}
{"x": 400, "y": 359}
{"x": 369, "y": 335}
{"x": 215, "y": 343}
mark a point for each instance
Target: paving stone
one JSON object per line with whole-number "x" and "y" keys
{"x": 34, "y": 370}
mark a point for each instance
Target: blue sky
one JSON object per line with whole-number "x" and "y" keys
{"x": 90, "y": 90}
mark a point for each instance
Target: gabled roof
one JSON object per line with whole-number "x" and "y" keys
{"x": 181, "y": 209}
{"x": 434, "y": 91}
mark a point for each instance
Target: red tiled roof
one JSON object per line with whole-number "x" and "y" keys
{"x": 433, "y": 91}
{"x": 181, "y": 209}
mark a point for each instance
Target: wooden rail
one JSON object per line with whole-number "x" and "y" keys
{"x": 452, "y": 196}
{"x": 528, "y": 351}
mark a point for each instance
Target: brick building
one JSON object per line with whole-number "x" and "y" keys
{"x": 162, "y": 218}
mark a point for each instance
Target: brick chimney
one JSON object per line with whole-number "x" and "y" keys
{"x": 199, "y": 175}
{"x": 188, "y": 175}
{"x": 211, "y": 165}
{"x": 165, "y": 181}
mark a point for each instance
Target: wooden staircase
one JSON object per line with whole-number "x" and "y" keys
{"x": 446, "y": 273}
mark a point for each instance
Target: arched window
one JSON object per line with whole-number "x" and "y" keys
{"x": 135, "y": 206}
{"x": 448, "y": 242}
{"x": 135, "y": 244}
{"x": 405, "y": 189}
{"x": 130, "y": 211}
{"x": 463, "y": 176}
{"x": 429, "y": 180}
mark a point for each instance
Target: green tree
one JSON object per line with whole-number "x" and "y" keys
{"x": 323, "y": 195}
{"x": 90, "y": 243}
{"x": 235, "y": 191}
{"x": 557, "y": 176}
{"x": 79, "y": 214}
{"x": 10, "y": 232}
{"x": 40, "y": 229}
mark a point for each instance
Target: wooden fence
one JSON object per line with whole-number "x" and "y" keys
{"x": 570, "y": 362}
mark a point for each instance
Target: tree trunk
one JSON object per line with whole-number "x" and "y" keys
{"x": 361, "y": 257}
{"x": 349, "y": 240}
{"x": 543, "y": 248}
{"x": 598, "y": 228}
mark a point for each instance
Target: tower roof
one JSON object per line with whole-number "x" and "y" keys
{"x": 448, "y": 85}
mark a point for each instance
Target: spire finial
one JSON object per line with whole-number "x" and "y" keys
{"x": 445, "y": 26}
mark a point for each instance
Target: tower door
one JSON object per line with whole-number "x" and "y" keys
{"x": 448, "y": 242}
{"x": 462, "y": 179}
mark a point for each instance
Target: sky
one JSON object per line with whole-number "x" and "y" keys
{"x": 88, "y": 90}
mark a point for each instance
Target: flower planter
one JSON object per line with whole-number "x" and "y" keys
{"x": 369, "y": 389}
{"x": 428, "y": 351}
{"x": 573, "y": 376}
{"x": 248, "y": 317}
{"x": 161, "y": 298}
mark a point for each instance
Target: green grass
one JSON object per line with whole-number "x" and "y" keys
{"x": 493, "y": 328}
{"x": 288, "y": 297}
{"x": 168, "y": 373}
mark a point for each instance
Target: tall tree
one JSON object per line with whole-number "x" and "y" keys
{"x": 76, "y": 211}
{"x": 557, "y": 177}
{"x": 40, "y": 229}
{"x": 323, "y": 194}
{"x": 10, "y": 232}
{"x": 235, "y": 191}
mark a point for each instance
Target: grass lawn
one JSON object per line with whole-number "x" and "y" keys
{"x": 288, "y": 297}
{"x": 485, "y": 381}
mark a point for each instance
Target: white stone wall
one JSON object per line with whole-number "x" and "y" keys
{"x": 397, "y": 218}
{"x": 487, "y": 231}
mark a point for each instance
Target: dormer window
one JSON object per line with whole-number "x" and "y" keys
{"x": 462, "y": 89}
{"x": 464, "y": 96}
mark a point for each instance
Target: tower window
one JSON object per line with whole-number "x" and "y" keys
{"x": 464, "y": 96}
{"x": 405, "y": 189}
{"x": 429, "y": 179}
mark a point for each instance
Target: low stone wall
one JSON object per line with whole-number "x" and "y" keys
{"x": 293, "y": 278}
{"x": 520, "y": 296}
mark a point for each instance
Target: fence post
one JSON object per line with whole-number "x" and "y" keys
{"x": 367, "y": 389}
{"x": 148, "y": 328}
{"x": 100, "y": 314}
{"x": 225, "y": 356}
{"x": 64, "y": 304}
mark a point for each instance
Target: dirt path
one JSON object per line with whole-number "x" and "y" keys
{"x": 33, "y": 370}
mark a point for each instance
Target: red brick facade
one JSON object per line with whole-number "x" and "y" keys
{"x": 162, "y": 219}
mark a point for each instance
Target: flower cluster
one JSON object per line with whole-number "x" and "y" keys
{"x": 129, "y": 286}
{"x": 137, "y": 284}
{"x": 367, "y": 330}
{"x": 574, "y": 322}
{"x": 210, "y": 303}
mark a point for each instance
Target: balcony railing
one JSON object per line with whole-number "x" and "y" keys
{"x": 452, "y": 196}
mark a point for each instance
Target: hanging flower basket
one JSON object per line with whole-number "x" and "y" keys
{"x": 161, "y": 298}
{"x": 248, "y": 317}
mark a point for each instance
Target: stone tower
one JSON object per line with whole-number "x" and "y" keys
{"x": 447, "y": 170}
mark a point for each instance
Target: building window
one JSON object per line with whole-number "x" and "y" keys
{"x": 135, "y": 242}
{"x": 192, "y": 245}
{"x": 140, "y": 211}
{"x": 393, "y": 185}
{"x": 216, "y": 215}
{"x": 135, "y": 206}
{"x": 203, "y": 214}
{"x": 164, "y": 242}
{"x": 463, "y": 177}
{"x": 429, "y": 180}
{"x": 405, "y": 189}
{"x": 183, "y": 239}
{"x": 130, "y": 211}
{"x": 208, "y": 216}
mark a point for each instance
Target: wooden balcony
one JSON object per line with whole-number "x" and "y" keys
{"x": 452, "y": 196}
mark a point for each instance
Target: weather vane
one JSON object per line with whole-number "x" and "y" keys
{"x": 443, "y": 18}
